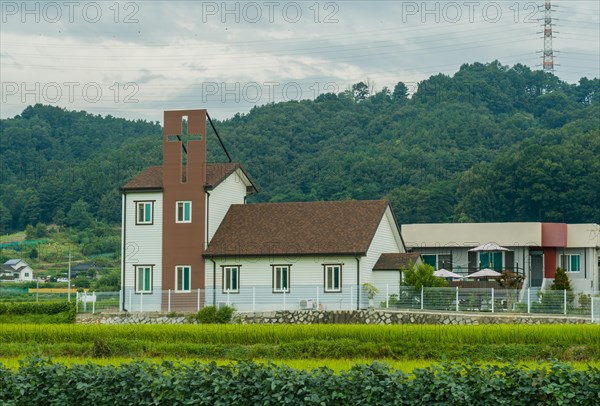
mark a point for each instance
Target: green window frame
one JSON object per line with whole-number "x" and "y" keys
{"x": 571, "y": 262}
{"x": 281, "y": 278}
{"x": 333, "y": 277}
{"x": 144, "y": 213}
{"x": 183, "y": 274}
{"x": 143, "y": 279}
{"x": 231, "y": 279}
{"x": 183, "y": 212}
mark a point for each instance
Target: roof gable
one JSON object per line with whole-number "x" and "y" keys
{"x": 151, "y": 177}
{"x": 298, "y": 228}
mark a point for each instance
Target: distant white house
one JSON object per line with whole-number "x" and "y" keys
{"x": 534, "y": 250}
{"x": 17, "y": 270}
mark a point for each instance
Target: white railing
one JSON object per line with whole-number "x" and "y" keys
{"x": 350, "y": 297}
{"x": 247, "y": 299}
{"x": 492, "y": 300}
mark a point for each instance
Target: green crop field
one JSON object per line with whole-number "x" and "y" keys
{"x": 299, "y": 364}
{"x": 412, "y": 342}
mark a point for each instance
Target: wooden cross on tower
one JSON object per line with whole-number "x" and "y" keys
{"x": 183, "y": 137}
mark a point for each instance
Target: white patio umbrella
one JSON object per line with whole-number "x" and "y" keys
{"x": 485, "y": 273}
{"x": 444, "y": 273}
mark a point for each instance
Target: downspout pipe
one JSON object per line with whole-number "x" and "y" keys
{"x": 207, "y": 217}
{"x": 357, "y": 283}
{"x": 214, "y": 282}
{"x": 123, "y": 245}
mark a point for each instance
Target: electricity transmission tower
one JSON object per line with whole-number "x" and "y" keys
{"x": 548, "y": 53}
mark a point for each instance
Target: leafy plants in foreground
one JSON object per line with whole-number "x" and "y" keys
{"x": 41, "y": 381}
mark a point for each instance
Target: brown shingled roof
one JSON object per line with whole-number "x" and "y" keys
{"x": 393, "y": 261}
{"x": 298, "y": 228}
{"x": 151, "y": 177}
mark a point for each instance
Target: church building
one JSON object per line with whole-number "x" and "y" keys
{"x": 190, "y": 240}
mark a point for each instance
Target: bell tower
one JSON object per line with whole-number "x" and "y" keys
{"x": 184, "y": 205}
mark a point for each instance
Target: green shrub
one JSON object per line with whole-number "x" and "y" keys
{"x": 210, "y": 315}
{"x": 207, "y": 315}
{"x": 36, "y": 308}
{"x": 224, "y": 314}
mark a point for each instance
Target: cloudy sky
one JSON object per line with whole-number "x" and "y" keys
{"x": 135, "y": 59}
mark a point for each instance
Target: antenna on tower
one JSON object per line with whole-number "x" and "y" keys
{"x": 548, "y": 52}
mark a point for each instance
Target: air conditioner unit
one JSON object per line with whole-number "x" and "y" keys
{"x": 306, "y": 304}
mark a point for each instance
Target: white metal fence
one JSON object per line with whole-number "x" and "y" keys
{"x": 314, "y": 297}
{"x": 247, "y": 299}
{"x": 493, "y": 300}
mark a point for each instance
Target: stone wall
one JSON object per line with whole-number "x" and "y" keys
{"x": 340, "y": 317}
{"x": 400, "y": 317}
{"x": 130, "y": 318}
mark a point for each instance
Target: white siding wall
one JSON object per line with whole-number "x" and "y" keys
{"x": 27, "y": 270}
{"x": 306, "y": 278}
{"x": 143, "y": 246}
{"x": 231, "y": 191}
{"x": 386, "y": 240}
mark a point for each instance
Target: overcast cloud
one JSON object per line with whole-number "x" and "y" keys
{"x": 135, "y": 59}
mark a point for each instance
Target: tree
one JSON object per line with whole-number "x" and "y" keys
{"x": 81, "y": 282}
{"x": 31, "y": 212}
{"x": 360, "y": 91}
{"x": 561, "y": 280}
{"x": 110, "y": 282}
{"x": 79, "y": 216}
{"x": 59, "y": 217}
{"x": 109, "y": 208}
{"x": 511, "y": 280}
{"x": 421, "y": 276}
{"x": 39, "y": 231}
{"x": 5, "y": 219}
{"x": 400, "y": 94}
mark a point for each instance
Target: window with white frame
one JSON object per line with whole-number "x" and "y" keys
{"x": 333, "y": 278}
{"x": 571, "y": 262}
{"x": 182, "y": 278}
{"x": 231, "y": 279}
{"x": 184, "y": 212}
{"x": 143, "y": 279}
{"x": 281, "y": 278}
{"x": 144, "y": 212}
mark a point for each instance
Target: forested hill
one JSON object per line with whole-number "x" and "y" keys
{"x": 490, "y": 143}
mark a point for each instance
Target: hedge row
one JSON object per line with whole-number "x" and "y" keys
{"x": 42, "y": 382}
{"x": 37, "y": 308}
